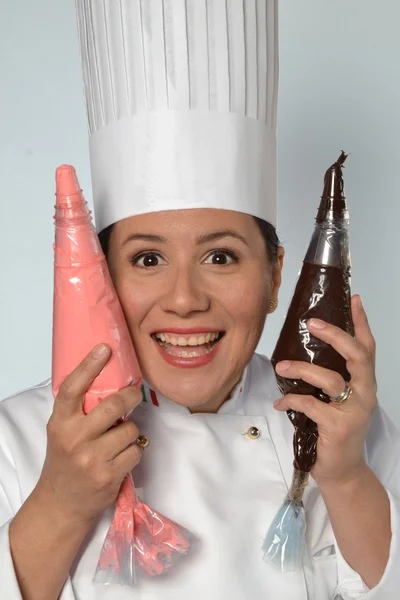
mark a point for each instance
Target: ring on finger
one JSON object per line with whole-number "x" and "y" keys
{"x": 344, "y": 396}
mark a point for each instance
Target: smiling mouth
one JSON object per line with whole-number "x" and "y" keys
{"x": 188, "y": 346}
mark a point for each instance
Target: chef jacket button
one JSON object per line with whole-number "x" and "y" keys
{"x": 253, "y": 433}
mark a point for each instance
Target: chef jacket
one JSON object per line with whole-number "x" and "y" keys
{"x": 222, "y": 476}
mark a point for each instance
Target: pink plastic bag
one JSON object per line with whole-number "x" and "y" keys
{"x": 150, "y": 541}
{"x": 87, "y": 312}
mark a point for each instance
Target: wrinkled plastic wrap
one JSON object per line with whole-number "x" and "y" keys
{"x": 284, "y": 544}
{"x": 322, "y": 291}
{"x": 139, "y": 542}
{"x": 87, "y": 312}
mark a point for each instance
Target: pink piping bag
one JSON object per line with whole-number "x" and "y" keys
{"x": 87, "y": 312}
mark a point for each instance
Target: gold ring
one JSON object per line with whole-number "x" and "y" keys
{"x": 142, "y": 441}
{"x": 344, "y": 396}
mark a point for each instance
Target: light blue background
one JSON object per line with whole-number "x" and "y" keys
{"x": 339, "y": 88}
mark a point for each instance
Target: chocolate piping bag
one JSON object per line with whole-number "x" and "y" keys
{"x": 322, "y": 291}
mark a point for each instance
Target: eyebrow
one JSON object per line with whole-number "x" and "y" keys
{"x": 202, "y": 239}
{"x": 145, "y": 237}
{"x": 217, "y": 235}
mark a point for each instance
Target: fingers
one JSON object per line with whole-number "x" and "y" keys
{"x": 117, "y": 439}
{"x": 361, "y": 326}
{"x": 330, "y": 382}
{"x": 341, "y": 341}
{"x": 111, "y": 409}
{"x": 126, "y": 460}
{"x": 314, "y": 409}
{"x": 70, "y": 397}
{"x": 358, "y": 356}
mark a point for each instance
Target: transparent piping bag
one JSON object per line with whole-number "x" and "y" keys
{"x": 322, "y": 291}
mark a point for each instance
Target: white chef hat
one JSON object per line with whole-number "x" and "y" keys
{"x": 181, "y": 99}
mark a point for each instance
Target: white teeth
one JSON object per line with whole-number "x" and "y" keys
{"x": 193, "y": 340}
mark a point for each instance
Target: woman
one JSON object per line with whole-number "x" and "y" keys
{"x": 196, "y": 274}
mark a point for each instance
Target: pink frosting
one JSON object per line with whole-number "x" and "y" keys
{"x": 86, "y": 307}
{"x": 87, "y": 312}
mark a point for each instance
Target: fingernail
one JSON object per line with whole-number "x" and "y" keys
{"x": 360, "y": 303}
{"x": 317, "y": 323}
{"x": 284, "y": 365}
{"x": 276, "y": 402}
{"x": 100, "y": 351}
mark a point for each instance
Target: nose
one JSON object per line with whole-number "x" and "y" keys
{"x": 185, "y": 293}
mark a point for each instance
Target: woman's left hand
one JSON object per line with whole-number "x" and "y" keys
{"x": 343, "y": 427}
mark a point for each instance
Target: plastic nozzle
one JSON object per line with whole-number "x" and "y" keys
{"x": 76, "y": 242}
{"x": 333, "y": 204}
{"x": 67, "y": 185}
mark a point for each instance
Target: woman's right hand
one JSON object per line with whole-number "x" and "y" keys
{"x": 87, "y": 456}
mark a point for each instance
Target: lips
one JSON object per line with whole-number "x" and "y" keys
{"x": 188, "y": 347}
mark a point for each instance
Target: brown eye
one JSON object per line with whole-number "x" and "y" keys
{"x": 221, "y": 257}
{"x": 148, "y": 259}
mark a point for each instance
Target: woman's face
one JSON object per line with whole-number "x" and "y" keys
{"x": 195, "y": 286}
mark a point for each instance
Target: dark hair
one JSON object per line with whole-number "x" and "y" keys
{"x": 271, "y": 239}
{"x": 104, "y": 237}
{"x": 267, "y": 230}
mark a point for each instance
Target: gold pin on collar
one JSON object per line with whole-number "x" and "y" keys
{"x": 142, "y": 441}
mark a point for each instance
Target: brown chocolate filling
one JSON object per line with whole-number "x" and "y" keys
{"x": 322, "y": 291}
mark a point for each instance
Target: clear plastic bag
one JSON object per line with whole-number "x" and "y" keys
{"x": 284, "y": 543}
{"x": 139, "y": 542}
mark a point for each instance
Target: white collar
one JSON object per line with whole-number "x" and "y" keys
{"x": 233, "y": 406}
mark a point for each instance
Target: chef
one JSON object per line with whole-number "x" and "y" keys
{"x": 181, "y": 100}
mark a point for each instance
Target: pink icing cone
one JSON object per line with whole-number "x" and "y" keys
{"x": 87, "y": 312}
{"x": 86, "y": 307}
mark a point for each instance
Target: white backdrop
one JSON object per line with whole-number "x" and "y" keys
{"x": 339, "y": 89}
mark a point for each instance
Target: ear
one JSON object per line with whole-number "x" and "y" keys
{"x": 276, "y": 279}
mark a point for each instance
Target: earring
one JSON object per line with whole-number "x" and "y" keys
{"x": 273, "y": 304}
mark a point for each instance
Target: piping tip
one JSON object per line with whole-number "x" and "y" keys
{"x": 333, "y": 181}
{"x": 67, "y": 183}
{"x": 333, "y": 203}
